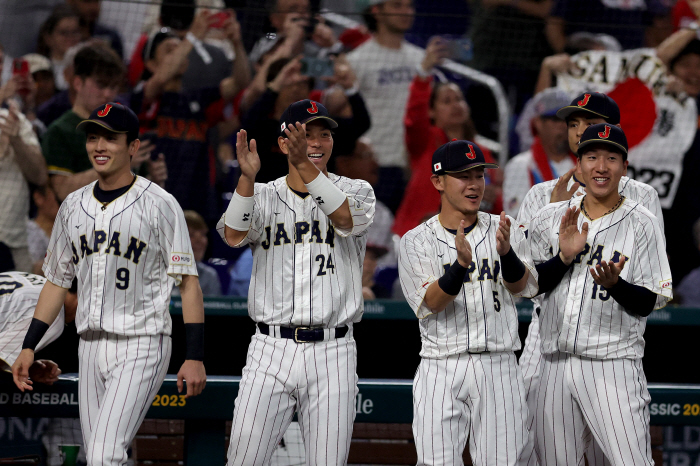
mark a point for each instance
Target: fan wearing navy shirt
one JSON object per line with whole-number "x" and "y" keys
{"x": 181, "y": 119}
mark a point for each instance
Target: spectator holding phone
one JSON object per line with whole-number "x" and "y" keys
{"x": 436, "y": 113}
{"x": 293, "y": 18}
{"x": 60, "y": 32}
{"x": 385, "y": 66}
{"x": 181, "y": 118}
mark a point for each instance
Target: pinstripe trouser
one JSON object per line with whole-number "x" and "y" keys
{"x": 119, "y": 376}
{"x": 582, "y": 397}
{"x": 531, "y": 364}
{"x": 480, "y": 396}
{"x": 319, "y": 380}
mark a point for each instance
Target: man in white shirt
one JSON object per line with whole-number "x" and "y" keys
{"x": 385, "y": 66}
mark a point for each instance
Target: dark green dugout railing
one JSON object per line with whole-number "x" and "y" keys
{"x": 378, "y": 401}
{"x": 399, "y": 310}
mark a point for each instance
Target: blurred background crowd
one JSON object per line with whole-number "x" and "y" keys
{"x": 401, "y": 77}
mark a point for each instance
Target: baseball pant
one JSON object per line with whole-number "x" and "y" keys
{"x": 580, "y": 398}
{"x": 318, "y": 380}
{"x": 530, "y": 363}
{"x": 119, "y": 376}
{"x": 475, "y": 396}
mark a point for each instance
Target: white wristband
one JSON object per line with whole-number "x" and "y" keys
{"x": 326, "y": 194}
{"x": 239, "y": 212}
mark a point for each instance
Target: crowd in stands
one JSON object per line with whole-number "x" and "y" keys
{"x": 197, "y": 71}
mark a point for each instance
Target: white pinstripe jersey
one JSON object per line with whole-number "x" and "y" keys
{"x": 483, "y": 316}
{"x": 19, "y": 293}
{"x": 127, "y": 258}
{"x": 539, "y": 195}
{"x": 305, "y": 271}
{"x": 580, "y": 317}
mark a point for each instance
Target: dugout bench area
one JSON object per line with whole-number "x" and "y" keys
{"x": 195, "y": 429}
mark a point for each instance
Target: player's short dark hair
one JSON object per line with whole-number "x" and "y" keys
{"x": 92, "y": 127}
{"x": 100, "y": 62}
{"x": 693, "y": 47}
{"x": 177, "y": 14}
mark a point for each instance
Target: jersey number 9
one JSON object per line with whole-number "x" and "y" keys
{"x": 123, "y": 278}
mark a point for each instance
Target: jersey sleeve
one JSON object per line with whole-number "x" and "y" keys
{"x": 361, "y": 201}
{"x": 540, "y": 245}
{"x": 174, "y": 240}
{"x": 519, "y": 243}
{"x": 650, "y": 268}
{"x": 650, "y": 199}
{"x": 532, "y": 202}
{"x": 56, "y": 150}
{"x": 415, "y": 272}
{"x": 256, "y": 222}
{"x": 61, "y": 255}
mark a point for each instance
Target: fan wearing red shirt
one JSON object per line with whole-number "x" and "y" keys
{"x": 436, "y": 114}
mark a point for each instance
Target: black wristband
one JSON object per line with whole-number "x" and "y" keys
{"x": 451, "y": 283}
{"x": 512, "y": 267}
{"x": 636, "y": 299}
{"x": 551, "y": 273}
{"x": 37, "y": 330}
{"x": 194, "y": 334}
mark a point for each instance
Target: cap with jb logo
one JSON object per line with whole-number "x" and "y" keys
{"x": 114, "y": 117}
{"x": 595, "y": 104}
{"x": 458, "y": 156}
{"x": 305, "y": 111}
{"x": 604, "y": 133}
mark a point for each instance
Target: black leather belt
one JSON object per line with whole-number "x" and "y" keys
{"x": 304, "y": 334}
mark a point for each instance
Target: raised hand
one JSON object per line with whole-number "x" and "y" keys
{"x": 571, "y": 240}
{"x": 248, "y": 158}
{"x": 560, "y": 193}
{"x": 464, "y": 249}
{"x": 296, "y": 144}
{"x": 503, "y": 235}
{"x": 435, "y": 53}
{"x": 606, "y": 274}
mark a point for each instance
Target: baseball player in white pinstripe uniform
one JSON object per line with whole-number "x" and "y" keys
{"x": 126, "y": 241}
{"x": 599, "y": 108}
{"x": 307, "y": 232}
{"x": 19, "y": 293}
{"x": 468, "y": 383}
{"x": 602, "y": 268}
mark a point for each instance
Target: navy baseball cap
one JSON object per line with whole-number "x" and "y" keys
{"x": 458, "y": 156}
{"x": 604, "y": 133}
{"x": 305, "y": 111}
{"x": 114, "y": 117}
{"x": 595, "y": 103}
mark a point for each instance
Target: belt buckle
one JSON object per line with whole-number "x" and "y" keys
{"x": 296, "y": 335}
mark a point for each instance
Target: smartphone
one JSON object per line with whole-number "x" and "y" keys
{"x": 461, "y": 49}
{"x": 219, "y": 19}
{"x": 316, "y": 67}
{"x": 20, "y": 66}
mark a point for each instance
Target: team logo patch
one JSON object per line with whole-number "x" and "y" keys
{"x": 437, "y": 167}
{"x": 604, "y": 134}
{"x": 665, "y": 283}
{"x": 283, "y": 127}
{"x": 313, "y": 109}
{"x": 180, "y": 258}
{"x": 583, "y": 102}
{"x": 471, "y": 155}
{"x": 104, "y": 111}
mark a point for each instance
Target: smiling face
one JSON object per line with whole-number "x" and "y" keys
{"x": 461, "y": 192}
{"x": 449, "y": 107}
{"x": 319, "y": 144}
{"x": 109, "y": 152}
{"x": 687, "y": 69}
{"x": 576, "y": 124}
{"x": 601, "y": 169}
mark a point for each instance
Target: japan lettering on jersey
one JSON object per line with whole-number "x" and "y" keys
{"x": 483, "y": 316}
{"x": 306, "y": 272}
{"x": 127, "y": 258}
{"x": 579, "y": 316}
{"x": 19, "y": 293}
